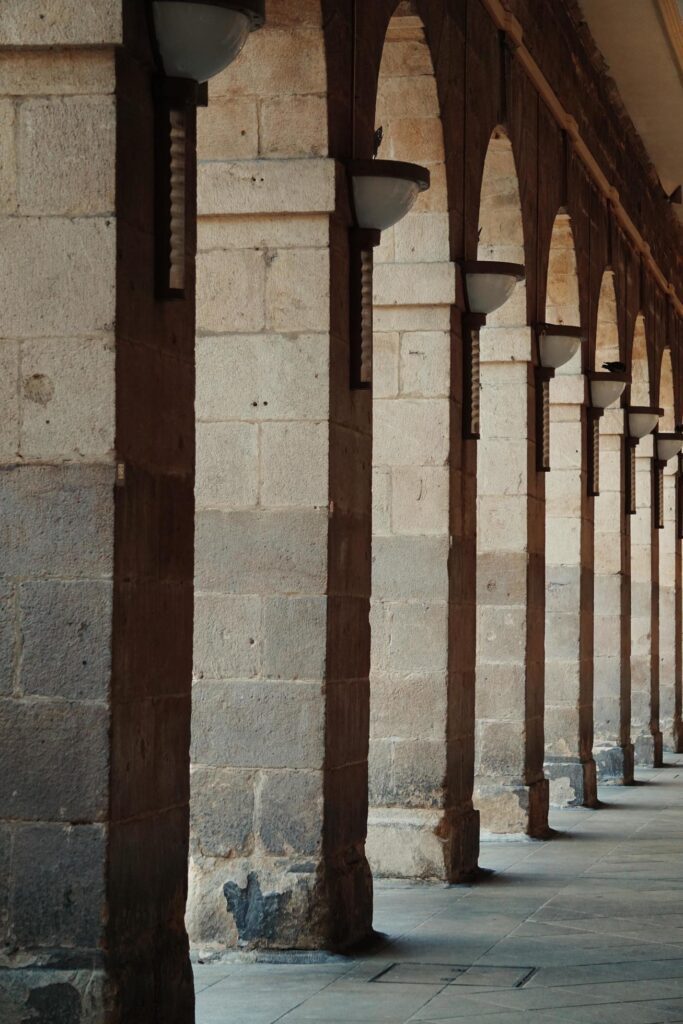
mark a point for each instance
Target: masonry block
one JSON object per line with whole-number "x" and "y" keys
{"x": 227, "y": 469}
{"x": 242, "y": 275}
{"x": 294, "y": 637}
{"x": 285, "y": 447}
{"x": 27, "y": 23}
{"x": 222, "y": 801}
{"x": 227, "y": 636}
{"x": 282, "y": 832}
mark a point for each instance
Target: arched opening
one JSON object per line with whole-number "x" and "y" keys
{"x": 642, "y": 707}
{"x": 611, "y": 668}
{"x": 568, "y": 667}
{"x": 667, "y": 562}
{"x": 414, "y": 289}
{"x": 506, "y": 720}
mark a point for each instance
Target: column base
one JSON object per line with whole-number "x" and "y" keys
{"x": 658, "y": 749}
{"x": 615, "y": 764}
{"x": 407, "y": 843}
{"x": 678, "y": 735}
{"x": 510, "y": 808}
{"x": 573, "y": 782}
{"x": 644, "y": 750}
{"x": 280, "y": 904}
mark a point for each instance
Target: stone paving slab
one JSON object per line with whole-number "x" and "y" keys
{"x": 583, "y": 929}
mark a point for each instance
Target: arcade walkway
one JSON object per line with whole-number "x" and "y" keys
{"x": 587, "y": 929}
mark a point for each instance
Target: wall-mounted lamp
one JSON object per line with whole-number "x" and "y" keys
{"x": 667, "y": 446}
{"x": 193, "y": 40}
{"x": 604, "y": 390}
{"x": 557, "y": 344}
{"x": 641, "y": 420}
{"x": 382, "y": 193}
{"x": 488, "y": 285}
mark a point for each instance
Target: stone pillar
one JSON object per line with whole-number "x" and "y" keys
{"x": 612, "y": 664}
{"x": 97, "y": 441}
{"x": 569, "y": 762}
{"x": 407, "y": 833}
{"x": 280, "y": 709}
{"x": 667, "y": 609}
{"x": 642, "y": 562}
{"x": 678, "y": 697}
{"x": 510, "y": 789}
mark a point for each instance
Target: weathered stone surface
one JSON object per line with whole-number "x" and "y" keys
{"x": 294, "y": 637}
{"x": 67, "y": 398}
{"x": 258, "y": 724}
{"x": 293, "y": 126}
{"x": 57, "y": 516}
{"x": 241, "y": 275}
{"x": 409, "y": 568}
{"x": 263, "y": 377}
{"x": 66, "y": 638}
{"x": 227, "y": 636}
{"x": 54, "y": 760}
{"x": 29, "y": 23}
{"x": 266, "y": 186}
{"x": 53, "y": 905}
{"x": 227, "y": 130}
{"x": 40, "y": 72}
{"x": 262, "y": 551}
{"x": 285, "y": 833}
{"x": 286, "y": 448}
{"x": 227, "y": 473}
{"x": 60, "y": 280}
{"x": 222, "y": 802}
{"x": 405, "y": 843}
{"x": 54, "y": 996}
{"x": 298, "y": 291}
{"x": 53, "y": 134}
{"x": 7, "y": 637}
{"x": 8, "y": 159}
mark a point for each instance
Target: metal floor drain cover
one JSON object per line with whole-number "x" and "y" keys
{"x": 455, "y": 974}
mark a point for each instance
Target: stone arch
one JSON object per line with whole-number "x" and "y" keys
{"x": 568, "y": 564}
{"x": 640, "y": 365}
{"x": 611, "y": 664}
{"x": 509, "y": 787}
{"x": 414, "y": 290}
{"x": 277, "y": 591}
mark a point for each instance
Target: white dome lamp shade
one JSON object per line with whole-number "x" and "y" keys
{"x": 668, "y": 445}
{"x": 606, "y": 388}
{"x": 642, "y": 420}
{"x": 198, "y": 38}
{"x": 490, "y": 284}
{"x": 384, "y": 191}
{"x": 557, "y": 344}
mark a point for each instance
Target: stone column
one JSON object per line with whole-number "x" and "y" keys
{"x": 667, "y": 609}
{"x": 612, "y": 665}
{"x": 407, "y": 830}
{"x": 97, "y": 441}
{"x": 280, "y": 708}
{"x": 510, "y": 789}
{"x": 642, "y": 562}
{"x": 678, "y": 697}
{"x": 569, "y": 762}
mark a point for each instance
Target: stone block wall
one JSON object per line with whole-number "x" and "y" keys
{"x": 279, "y": 735}
{"x": 97, "y": 384}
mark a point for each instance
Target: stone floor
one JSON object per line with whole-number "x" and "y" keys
{"x": 586, "y": 928}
